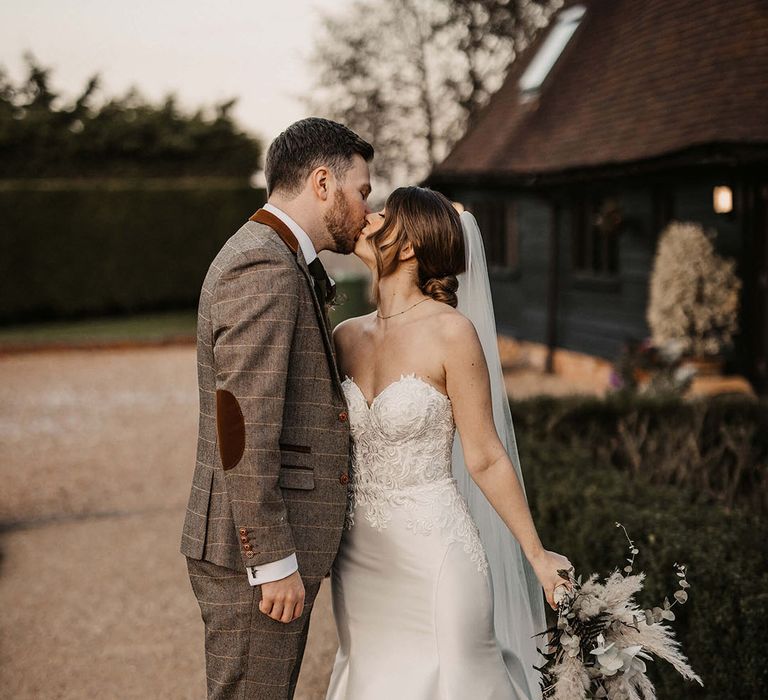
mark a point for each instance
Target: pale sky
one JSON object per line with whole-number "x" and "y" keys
{"x": 203, "y": 51}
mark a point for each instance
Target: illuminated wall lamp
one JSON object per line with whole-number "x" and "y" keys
{"x": 722, "y": 199}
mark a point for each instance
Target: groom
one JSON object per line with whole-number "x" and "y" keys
{"x": 269, "y": 490}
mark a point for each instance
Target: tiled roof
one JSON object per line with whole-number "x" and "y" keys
{"x": 638, "y": 79}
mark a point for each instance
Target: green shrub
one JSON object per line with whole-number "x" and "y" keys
{"x": 576, "y": 497}
{"x": 41, "y": 135}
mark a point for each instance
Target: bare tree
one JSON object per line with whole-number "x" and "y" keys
{"x": 409, "y": 74}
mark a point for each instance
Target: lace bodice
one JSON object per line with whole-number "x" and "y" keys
{"x": 401, "y": 457}
{"x": 404, "y": 438}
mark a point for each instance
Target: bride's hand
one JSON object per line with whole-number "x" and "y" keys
{"x": 546, "y": 565}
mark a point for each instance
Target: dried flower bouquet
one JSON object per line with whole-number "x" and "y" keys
{"x": 598, "y": 646}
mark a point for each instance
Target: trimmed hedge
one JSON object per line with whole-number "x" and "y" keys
{"x": 67, "y": 254}
{"x": 716, "y": 448}
{"x": 577, "y": 496}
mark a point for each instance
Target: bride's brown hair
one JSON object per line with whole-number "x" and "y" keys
{"x": 431, "y": 223}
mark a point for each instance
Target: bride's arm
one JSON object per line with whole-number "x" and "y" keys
{"x": 489, "y": 465}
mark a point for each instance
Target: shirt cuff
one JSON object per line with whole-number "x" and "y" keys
{"x": 265, "y": 573}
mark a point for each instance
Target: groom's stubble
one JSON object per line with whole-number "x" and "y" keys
{"x": 339, "y": 225}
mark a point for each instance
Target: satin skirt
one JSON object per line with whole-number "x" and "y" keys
{"x": 414, "y": 616}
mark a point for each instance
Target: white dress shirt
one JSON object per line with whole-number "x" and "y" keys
{"x": 276, "y": 570}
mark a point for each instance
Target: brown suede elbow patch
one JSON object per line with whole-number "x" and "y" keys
{"x": 230, "y": 428}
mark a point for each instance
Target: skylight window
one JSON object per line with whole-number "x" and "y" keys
{"x": 557, "y": 39}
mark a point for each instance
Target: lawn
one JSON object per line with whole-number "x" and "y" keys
{"x": 148, "y": 328}
{"x": 142, "y": 328}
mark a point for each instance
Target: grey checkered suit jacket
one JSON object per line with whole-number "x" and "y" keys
{"x": 273, "y": 443}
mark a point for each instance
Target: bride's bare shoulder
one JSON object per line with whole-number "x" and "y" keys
{"x": 453, "y": 326}
{"x": 459, "y": 344}
{"x": 350, "y": 329}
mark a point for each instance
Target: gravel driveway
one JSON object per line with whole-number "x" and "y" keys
{"x": 96, "y": 453}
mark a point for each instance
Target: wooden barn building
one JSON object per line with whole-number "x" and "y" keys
{"x": 618, "y": 118}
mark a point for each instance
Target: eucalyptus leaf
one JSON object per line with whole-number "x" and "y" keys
{"x": 648, "y": 617}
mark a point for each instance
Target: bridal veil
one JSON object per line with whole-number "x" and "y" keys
{"x": 517, "y": 593}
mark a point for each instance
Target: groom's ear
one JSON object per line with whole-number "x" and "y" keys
{"x": 320, "y": 180}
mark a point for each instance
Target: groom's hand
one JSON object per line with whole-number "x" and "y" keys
{"x": 283, "y": 600}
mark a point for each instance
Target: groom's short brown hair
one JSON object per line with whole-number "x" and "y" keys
{"x": 307, "y": 144}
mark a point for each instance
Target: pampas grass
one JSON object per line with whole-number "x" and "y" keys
{"x": 597, "y": 648}
{"x": 572, "y": 680}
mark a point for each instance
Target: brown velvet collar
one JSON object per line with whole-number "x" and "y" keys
{"x": 262, "y": 216}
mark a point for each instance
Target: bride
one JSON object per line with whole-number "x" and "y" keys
{"x": 437, "y": 587}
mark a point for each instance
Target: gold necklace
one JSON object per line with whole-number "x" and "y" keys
{"x": 404, "y": 310}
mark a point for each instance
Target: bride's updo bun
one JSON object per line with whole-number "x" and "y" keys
{"x": 431, "y": 223}
{"x": 442, "y": 289}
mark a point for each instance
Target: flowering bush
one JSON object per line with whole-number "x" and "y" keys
{"x": 694, "y": 293}
{"x": 597, "y": 647}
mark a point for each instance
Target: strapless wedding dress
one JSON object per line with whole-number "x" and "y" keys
{"x": 411, "y": 589}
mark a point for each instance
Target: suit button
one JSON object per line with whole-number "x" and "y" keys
{"x": 242, "y": 530}
{"x": 246, "y": 546}
{"x": 243, "y": 539}
{"x": 343, "y": 416}
{"x": 344, "y": 479}
{"x": 249, "y": 554}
